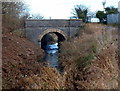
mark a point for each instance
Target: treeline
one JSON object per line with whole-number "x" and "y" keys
{"x": 83, "y": 12}
{"x": 102, "y": 15}
{"x": 13, "y": 15}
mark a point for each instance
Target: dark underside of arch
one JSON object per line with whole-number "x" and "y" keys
{"x": 44, "y": 43}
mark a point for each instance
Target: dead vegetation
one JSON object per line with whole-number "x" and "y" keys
{"x": 19, "y": 60}
{"x": 20, "y": 66}
{"x": 91, "y": 61}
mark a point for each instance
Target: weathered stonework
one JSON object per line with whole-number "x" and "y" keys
{"x": 36, "y": 29}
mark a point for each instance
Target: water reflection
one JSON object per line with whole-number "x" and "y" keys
{"x": 51, "y": 48}
{"x": 51, "y": 54}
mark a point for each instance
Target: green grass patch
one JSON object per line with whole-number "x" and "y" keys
{"x": 82, "y": 62}
{"x": 45, "y": 85}
{"x": 94, "y": 49}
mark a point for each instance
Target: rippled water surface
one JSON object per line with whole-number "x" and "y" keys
{"x": 51, "y": 55}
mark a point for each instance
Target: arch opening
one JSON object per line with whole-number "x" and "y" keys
{"x": 51, "y": 36}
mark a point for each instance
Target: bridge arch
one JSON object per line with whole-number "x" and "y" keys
{"x": 60, "y": 34}
{"x": 56, "y": 31}
{"x": 36, "y": 29}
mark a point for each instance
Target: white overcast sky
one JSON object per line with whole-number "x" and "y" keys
{"x": 61, "y": 9}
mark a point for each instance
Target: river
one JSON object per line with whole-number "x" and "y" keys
{"x": 51, "y": 55}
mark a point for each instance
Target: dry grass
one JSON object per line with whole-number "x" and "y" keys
{"x": 49, "y": 79}
{"x": 10, "y": 23}
{"x": 90, "y": 60}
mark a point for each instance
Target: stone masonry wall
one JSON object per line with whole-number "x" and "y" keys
{"x": 35, "y": 27}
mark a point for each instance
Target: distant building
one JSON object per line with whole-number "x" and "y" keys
{"x": 95, "y": 20}
{"x": 113, "y": 18}
{"x": 89, "y": 18}
{"x": 119, "y": 6}
{"x": 92, "y": 19}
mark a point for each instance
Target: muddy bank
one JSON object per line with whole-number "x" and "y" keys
{"x": 19, "y": 59}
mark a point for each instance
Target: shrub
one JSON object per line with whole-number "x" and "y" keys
{"x": 13, "y": 16}
{"x": 94, "y": 49}
{"x": 82, "y": 62}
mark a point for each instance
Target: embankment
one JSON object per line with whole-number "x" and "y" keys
{"x": 21, "y": 67}
{"x": 90, "y": 61}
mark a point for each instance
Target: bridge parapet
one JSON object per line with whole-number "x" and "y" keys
{"x": 54, "y": 23}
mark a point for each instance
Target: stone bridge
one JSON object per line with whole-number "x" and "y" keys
{"x": 63, "y": 28}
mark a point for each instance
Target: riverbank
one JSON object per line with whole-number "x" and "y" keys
{"x": 90, "y": 60}
{"x": 21, "y": 66}
{"x": 19, "y": 59}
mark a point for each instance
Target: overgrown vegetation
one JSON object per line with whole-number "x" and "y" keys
{"x": 81, "y": 54}
{"x": 13, "y": 16}
{"x": 89, "y": 60}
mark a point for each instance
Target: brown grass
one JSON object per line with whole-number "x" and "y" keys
{"x": 90, "y": 60}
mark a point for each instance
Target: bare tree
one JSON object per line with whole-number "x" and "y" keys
{"x": 13, "y": 13}
{"x": 104, "y": 3}
{"x": 36, "y": 16}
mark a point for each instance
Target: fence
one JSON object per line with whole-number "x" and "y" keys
{"x": 113, "y": 19}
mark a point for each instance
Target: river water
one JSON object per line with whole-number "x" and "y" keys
{"x": 51, "y": 55}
